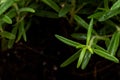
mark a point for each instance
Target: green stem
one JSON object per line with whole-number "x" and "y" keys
{"x": 106, "y": 4}
{"x": 72, "y": 12}
{"x": 99, "y": 38}
{"x": 81, "y": 6}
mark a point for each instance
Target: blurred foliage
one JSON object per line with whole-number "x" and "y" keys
{"x": 13, "y": 24}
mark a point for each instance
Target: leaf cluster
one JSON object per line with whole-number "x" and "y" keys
{"x": 101, "y": 22}
{"x": 13, "y": 14}
{"x": 105, "y": 13}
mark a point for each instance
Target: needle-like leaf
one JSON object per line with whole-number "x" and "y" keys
{"x": 89, "y": 32}
{"x": 86, "y": 60}
{"x": 96, "y": 15}
{"x": 108, "y": 14}
{"x": 116, "y": 5}
{"x": 114, "y": 43}
{"x": 7, "y": 19}
{"x": 6, "y": 5}
{"x": 106, "y": 55}
{"x": 27, "y": 9}
{"x": 84, "y": 24}
{"x": 52, "y": 4}
{"x": 68, "y": 41}
{"x": 81, "y": 57}
{"x": 71, "y": 59}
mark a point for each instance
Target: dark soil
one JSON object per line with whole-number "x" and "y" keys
{"x": 40, "y": 57}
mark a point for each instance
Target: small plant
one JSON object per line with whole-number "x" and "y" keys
{"x": 13, "y": 21}
{"x": 103, "y": 14}
{"x": 85, "y": 51}
{"x": 100, "y": 22}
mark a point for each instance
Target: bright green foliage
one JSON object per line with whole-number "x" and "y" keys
{"x": 86, "y": 60}
{"x": 68, "y": 41}
{"x": 106, "y": 55}
{"x": 27, "y": 9}
{"x": 113, "y": 11}
{"x": 89, "y": 32}
{"x": 114, "y": 43}
{"x": 116, "y": 5}
{"x": 5, "y": 5}
{"x": 81, "y": 57}
{"x": 91, "y": 47}
{"x": 7, "y": 19}
{"x": 71, "y": 59}
{"x": 81, "y": 21}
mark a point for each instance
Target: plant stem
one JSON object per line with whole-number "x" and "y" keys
{"x": 81, "y": 6}
{"x": 106, "y": 4}
{"x": 72, "y": 12}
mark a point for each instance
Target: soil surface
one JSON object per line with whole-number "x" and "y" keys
{"x": 40, "y": 57}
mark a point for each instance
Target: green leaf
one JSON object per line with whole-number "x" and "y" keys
{"x": 89, "y": 32}
{"x": 86, "y": 60}
{"x": 21, "y": 31}
{"x": 11, "y": 41}
{"x": 81, "y": 57}
{"x": 116, "y": 5}
{"x": 90, "y": 49}
{"x": 52, "y": 4}
{"x": 114, "y": 43}
{"x": 71, "y": 59}
{"x": 96, "y": 15}
{"x": 64, "y": 10}
{"x": 80, "y": 21}
{"x": 5, "y": 6}
{"x": 7, "y": 35}
{"x": 99, "y": 47}
{"x": 109, "y": 14}
{"x": 7, "y": 19}
{"x": 106, "y": 55}
{"x": 68, "y": 41}
{"x": 27, "y": 9}
{"x": 11, "y": 13}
